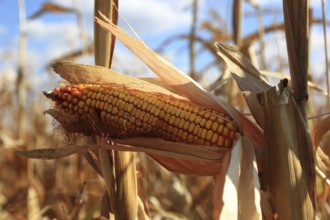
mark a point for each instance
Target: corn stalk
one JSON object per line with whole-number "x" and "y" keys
{"x": 120, "y": 173}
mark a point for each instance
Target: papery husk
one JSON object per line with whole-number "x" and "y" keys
{"x": 289, "y": 161}
{"x": 238, "y": 195}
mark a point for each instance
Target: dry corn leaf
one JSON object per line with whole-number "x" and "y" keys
{"x": 248, "y": 78}
{"x": 51, "y": 7}
{"x": 321, "y": 127}
{"x": 238, "y": 196}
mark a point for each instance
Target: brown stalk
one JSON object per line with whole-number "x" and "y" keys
{"x": 296, "y": 21}
{"x": 122, "y": 186}
{"x": 237, "y": 21}
{"x": 20, "y": 80}
{"x": 326, "y": 50}
{"x": 289, "y": 169}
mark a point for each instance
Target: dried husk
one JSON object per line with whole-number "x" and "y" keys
{"x": 289, "y": 169}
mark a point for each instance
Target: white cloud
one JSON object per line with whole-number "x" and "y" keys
{"x": 145, "y": 16}
{"x": 150, "y": 16}
{"x": 42, "y": 30}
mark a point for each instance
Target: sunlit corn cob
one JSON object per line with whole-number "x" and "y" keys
{"x": 126, "y": 112}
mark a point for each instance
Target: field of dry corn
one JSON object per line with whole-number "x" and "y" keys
{"x": 286, "y": 42}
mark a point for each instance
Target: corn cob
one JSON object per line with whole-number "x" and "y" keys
{"x": 125, "y": 112}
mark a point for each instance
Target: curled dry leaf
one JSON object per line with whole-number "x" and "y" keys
{"x": 319, "y": 130}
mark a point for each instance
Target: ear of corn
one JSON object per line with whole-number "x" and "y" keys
{"x": 125, "y": 112}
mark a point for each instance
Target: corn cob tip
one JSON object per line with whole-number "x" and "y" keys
{"x": 48, "y": 94}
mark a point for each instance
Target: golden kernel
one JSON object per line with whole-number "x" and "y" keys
{"x": 215, "y": 126}
{"x": 209, "y": 135}
{"x": 208, "y": 124}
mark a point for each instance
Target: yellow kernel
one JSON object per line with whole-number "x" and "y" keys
{"x": 196, "y": 128}
{"x": 141, "y": 116}
{"x": 220, "y": 128}
{"x": 121, "y": 104}
{"x": 157, "y": 112}
{"x": 231, "y": 126}
{"x": 169, "y": 109}
{"x": 186, "y": 125}
{"x": 225, "y": 132}
{"x": 138, "y": 112}
{"x": 152, "y": 109}
{"x": 174, "y": 110}
{"x": 169, "y": 129}
{"x": 203, "y": 134}
{"x": 161, "y": 105}
{"x": 178, "y": 112}
{"x": 144, "y": 105}
{"x": 183, "y": 113}
{"x": 198, "y": 119}
{"x": 121, "y": 95}
{"x": 196, "y": 109}
{"x": 114, "y": 110}
{"x": 176, "y": 122}
{"x": 209, "y": 135}
{"x": 181, "y": 123}
{"x": 146, "y": 117}
{"x": 191, "y": 127}
{"x": 86, "y": 108}
{"x": 171, "y": 120}
{"x": 220, "y": 120}
{"x": 215, "y": 126}
{"x": 187, "y": 116}
{"x": 203, "y": 121}
{"x": 167, "y": 117}
{"x": 136, "y": 102}
{"x": 192, "y": 117}
{"x": 102, "y": 114}
{"x": 88, "y": 101}
{"x": 65, "y": 103}
{"x": 75, "y": 100}
{"x": 208, "y": 124}
{"x": 75, "y": 108}
{"x": 98, "y": 96}
{"x": 214, "y": 138}
{"x": 162, "y": 114}
{"x": 80, "y": 111}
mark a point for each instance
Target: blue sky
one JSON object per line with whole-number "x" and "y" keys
{"x": 53, "y": 35}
